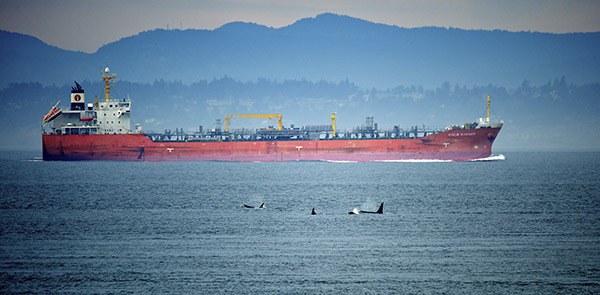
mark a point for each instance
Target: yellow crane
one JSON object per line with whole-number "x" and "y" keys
{"x": 226, "y": 126}
{"x": 333, "y": 115}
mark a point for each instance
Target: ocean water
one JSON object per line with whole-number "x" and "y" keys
{"x": 528, "y": 223}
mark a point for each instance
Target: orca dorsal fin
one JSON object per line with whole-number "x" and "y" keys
{"x": 262, "y": 206}
{"x": 313, "y": 212}
{"x": 380, "y": 211}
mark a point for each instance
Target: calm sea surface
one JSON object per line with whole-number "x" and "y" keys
{"x": 528, "y": 224}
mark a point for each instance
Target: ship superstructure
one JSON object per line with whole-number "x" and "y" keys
{"x": 110, "y": 116}
{"x": 102, "y": 131}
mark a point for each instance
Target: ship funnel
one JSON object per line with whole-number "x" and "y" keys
{"x": 77, "y": 97}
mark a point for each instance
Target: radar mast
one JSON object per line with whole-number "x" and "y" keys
{"x": 106, "y": 77}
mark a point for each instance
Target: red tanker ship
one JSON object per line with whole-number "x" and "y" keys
{"x": 102, "y": 131}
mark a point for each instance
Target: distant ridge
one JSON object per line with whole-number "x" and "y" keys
{"x": 327, "y": 47}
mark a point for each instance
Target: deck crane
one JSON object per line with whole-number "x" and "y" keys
{"x": 333, "y": 128}
{"x": 279, "y": 117}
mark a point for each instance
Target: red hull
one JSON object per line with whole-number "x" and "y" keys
{"x": 455, "y": 145}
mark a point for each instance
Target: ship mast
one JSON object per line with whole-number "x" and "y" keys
{"x": 487, "y": 119}
{"x": 106, "y": 77}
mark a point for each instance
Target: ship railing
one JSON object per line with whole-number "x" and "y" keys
{"x": 415, "y": 131}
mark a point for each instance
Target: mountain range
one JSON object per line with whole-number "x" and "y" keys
{"x": 328, "y": 47}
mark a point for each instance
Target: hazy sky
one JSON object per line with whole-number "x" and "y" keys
{"x": 88, "y": 24}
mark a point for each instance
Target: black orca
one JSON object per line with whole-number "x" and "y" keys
{"x": 380, "y": 211}
{"x": 313, "y": 212}
{"x": 262, "y": 206}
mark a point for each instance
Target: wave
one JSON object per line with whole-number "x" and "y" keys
{"x": 34, "y": 159}
{"x": 499, "y": 157}
{"x": 415, "y": 161}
